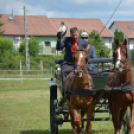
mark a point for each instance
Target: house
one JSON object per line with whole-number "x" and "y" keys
{"x": 127, "y": 27}
{"x": 38, "y": 26}
{"x": 46, "y": 29}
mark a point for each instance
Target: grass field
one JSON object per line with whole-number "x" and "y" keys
{"x": 24, "y": 109}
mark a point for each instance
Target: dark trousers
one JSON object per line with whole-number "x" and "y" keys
{"x": 66, "y": 68}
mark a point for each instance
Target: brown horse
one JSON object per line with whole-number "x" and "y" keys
{"x": 121, "y": 79}
{"x": 80, "y": 80}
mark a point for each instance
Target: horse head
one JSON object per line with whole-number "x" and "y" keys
{"x": 120, "y": 55}
{"x": 80, "y": 60}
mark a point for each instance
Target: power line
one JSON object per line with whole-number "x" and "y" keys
{"x": 109, "y": 19}
{"x": 111, "y": 16}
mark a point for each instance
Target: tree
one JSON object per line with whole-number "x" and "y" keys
{"x": 96, "y": 40}
{"x": 33, "y": 43}
{"x": 119, "y": 36}
{"x": 5, "y": 45}
{"x": 1, "y": 24}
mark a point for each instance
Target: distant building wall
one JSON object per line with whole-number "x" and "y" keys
{"x": 107, "y": 42}
{"x": 47, "y": 44}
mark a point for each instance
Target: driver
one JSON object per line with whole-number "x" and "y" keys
{"x": 69, "y": 44}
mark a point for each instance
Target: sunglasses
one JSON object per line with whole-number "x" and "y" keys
{"x": 84, "y": 37}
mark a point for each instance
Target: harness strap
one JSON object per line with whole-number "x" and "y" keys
{"x": 66, "y": 88}
{"x": 80, "y": 92}
{"x": 123, "y": 84}
{"x": 125, "y": 88}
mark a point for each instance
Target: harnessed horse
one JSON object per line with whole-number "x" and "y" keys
{"x": 78, "y": 83}
{"x": 121, "y": 84}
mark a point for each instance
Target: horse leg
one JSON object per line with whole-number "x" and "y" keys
{"x": 82, "y": 120}
{"x": 71, "y": 118}
{"x": 89, "y": 114}
{"x": 75, "y": 121}
{"x": 116, "y": 119}
{"x": 131, "y": 125}
{"x": 122, "y": 113}
{"x": 111, "y": 107}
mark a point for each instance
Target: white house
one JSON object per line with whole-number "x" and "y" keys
{"x": 127, "y": 27}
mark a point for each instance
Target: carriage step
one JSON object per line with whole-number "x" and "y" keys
{"x": 101, "y": 111}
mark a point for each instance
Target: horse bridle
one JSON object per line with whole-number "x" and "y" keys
{"x": 78, "y": 65}
{"x": 124, "y": 63}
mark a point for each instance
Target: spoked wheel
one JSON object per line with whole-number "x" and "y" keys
{"x": 53, "y": 116}
{"x": 125, "y": 123}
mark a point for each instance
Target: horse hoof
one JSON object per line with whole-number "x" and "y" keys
{"x": 83, "y": 130}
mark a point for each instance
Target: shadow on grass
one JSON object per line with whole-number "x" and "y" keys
{"x": 64, "y": 131}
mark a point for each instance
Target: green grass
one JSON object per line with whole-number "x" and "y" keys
{"x": 24, "y": 109}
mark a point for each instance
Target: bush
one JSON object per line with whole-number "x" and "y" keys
{"x": 10, "y": 58}
{"x": 33, "y": 44}
{"x": 5, "y": 45}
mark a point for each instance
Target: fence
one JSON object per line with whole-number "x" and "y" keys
{"x": 42, "y": 74}
{"x": 21, "y": 75}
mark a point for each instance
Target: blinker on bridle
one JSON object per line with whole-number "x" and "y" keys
{"x": 124, "y": 63}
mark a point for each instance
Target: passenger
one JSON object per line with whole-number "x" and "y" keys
{"x": 91, "y": 53}
{"x": 69, "y": 44}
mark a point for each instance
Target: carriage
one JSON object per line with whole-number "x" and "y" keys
{"x": 59, "y": 112}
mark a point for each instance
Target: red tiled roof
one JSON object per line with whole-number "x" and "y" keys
{"x": 36, "y": 26}
{"x": 87, "y": 25}
{"x": 44, "y": 26}
{"x": 124, "y": 27}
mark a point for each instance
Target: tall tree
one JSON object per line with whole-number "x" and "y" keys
{"x": 119, "y": 36}
{"x": 1, "y": 24}
{"x": 96, "y": 40}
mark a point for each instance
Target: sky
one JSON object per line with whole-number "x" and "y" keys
{"x": 102, "y": 9}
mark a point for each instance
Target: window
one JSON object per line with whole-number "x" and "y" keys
{"x": 130, "y": 28}
{"x": 47, "y": 44}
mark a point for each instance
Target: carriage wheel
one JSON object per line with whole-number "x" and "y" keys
{"x": 53, "y": 116}
{"x": 125, "y": 123}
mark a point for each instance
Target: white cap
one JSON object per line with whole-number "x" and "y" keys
{"x": 84, "y": 34}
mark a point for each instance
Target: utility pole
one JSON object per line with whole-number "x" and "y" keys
{"x": 26, "y": 42}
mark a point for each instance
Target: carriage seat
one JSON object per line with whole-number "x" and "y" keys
{"x": 59, "y": 61}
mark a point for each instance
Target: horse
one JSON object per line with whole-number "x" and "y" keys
{"x": 121, "y": 85}
{"x": 80, "y": 80}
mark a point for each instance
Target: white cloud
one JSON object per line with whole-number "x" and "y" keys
{"x": 50, "y": 14}
{"x": 6, "y": 7}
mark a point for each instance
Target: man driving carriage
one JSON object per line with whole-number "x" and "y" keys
{"x": 69, "y": 44}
